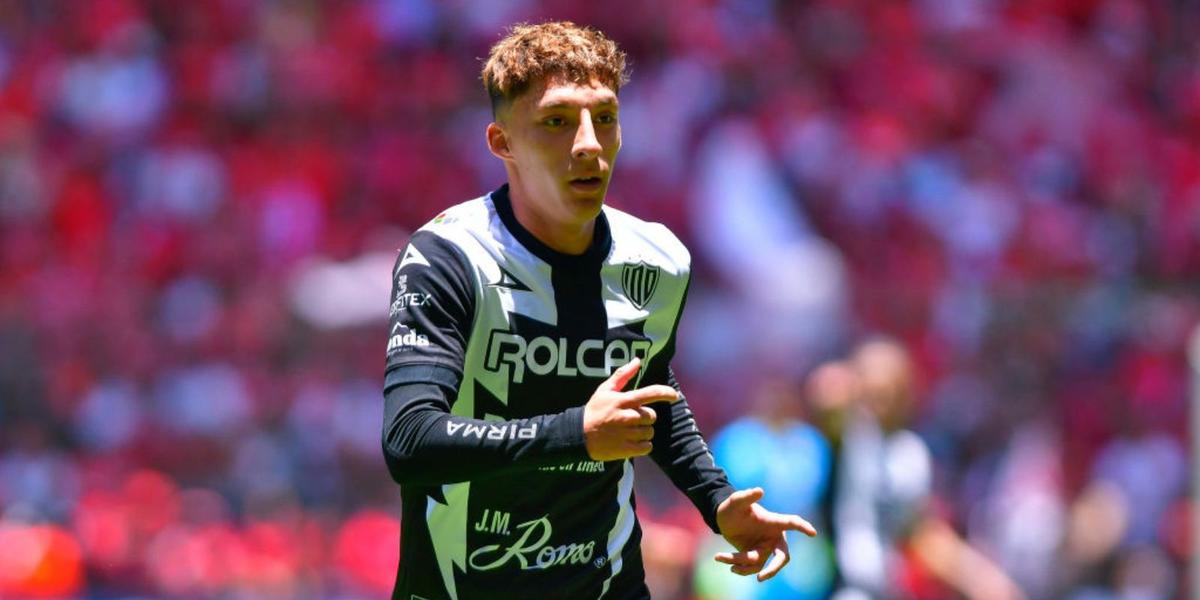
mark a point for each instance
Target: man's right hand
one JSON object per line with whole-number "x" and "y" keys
{"x": 617, "y": 424}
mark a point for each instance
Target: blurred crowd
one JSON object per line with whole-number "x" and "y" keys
{"x": 200, "y": 203}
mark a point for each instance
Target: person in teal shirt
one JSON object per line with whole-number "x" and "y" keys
{"x": 792, "y": 461}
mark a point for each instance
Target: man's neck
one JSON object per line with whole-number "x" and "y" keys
{"x": 567, "y": 238}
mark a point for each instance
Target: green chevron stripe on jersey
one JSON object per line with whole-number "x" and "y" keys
{"x": 448, "y": 525}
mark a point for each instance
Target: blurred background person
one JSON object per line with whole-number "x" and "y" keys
{"x": 890, "y": 541}
{"x": 772, "y": 447}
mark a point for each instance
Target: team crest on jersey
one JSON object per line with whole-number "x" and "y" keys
{"x": 639, "y": 282}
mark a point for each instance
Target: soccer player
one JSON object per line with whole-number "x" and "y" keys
{"x": 528, "y": 359}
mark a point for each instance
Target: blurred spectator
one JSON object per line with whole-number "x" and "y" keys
{"x": 1147, "y": 468}
{"x": 118, "y": 91}
{"x": 1021, "y": 520}
{"x": 889, "y": 541}
{"x": 774, "y": 449}
{"x": 789, "y": 282}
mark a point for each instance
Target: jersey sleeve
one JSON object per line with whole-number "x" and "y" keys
{"x": 433, "y": 305}
{"x": 432, "y": 313}
{"x": 679, "y": 448}
{"x": 424, "y": 444}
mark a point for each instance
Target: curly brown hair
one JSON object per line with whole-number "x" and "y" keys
{"x": 529, "y": 53}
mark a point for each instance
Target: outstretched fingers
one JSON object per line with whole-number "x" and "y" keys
{"x": 621, "y": 377}
{"x": 743, "y": 571}
{"x": 790, "y": 522}
{"x": 744, "y": 498}
{"x": 746, "y": 562}
{"x": 739, "y": 559}
{"x": 649, "y": 395}
{"x": 781, "y": 557}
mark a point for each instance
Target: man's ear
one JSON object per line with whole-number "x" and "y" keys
{"x": 497, "y": 141}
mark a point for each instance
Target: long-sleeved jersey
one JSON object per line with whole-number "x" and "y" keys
{"x": 496, "y": 343}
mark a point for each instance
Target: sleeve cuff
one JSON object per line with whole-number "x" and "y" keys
{"x": 716, "y": 498}
{"x": 566, "y": 435}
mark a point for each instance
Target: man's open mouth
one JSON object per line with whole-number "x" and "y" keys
{"x": 586, "y": 182}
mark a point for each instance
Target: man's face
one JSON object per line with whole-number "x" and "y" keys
{"x": 562, "y": 139}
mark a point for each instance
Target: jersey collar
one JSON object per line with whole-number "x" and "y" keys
{"x": 595, "y": 254}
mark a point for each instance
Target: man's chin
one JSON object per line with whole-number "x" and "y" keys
{"x": 591, "y": 198}
{"x": 591, "y": 205}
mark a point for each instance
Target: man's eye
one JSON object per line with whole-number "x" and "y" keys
{"x": 606, "y": 119}
{"x": 555, "y": 121}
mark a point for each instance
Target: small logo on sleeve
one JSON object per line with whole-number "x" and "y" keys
{"x": 404, "y": 299}
{"x": 412, "y": 256}
{"x": 403, "y": 337}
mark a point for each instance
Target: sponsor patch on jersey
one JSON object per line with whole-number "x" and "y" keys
{"x": 403, "y": 301}
{"x": 404, "y": 298}
{"x": 528, "y": 546}
{"x": 544, "y": 355}
{"x": 404, "y": 338}
{"x": 639, "y": 281}
{"x": 492, "y": 432}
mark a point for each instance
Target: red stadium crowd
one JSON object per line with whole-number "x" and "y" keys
{"x": 199, "y": 202}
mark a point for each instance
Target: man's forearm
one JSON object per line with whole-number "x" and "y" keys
{"x": 682, "y": 454}
{"x": 424, "y": 444}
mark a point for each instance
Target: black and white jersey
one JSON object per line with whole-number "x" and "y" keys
{"x": 496, "y": 342}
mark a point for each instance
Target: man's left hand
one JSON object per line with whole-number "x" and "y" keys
{"x": 756, "y": 533}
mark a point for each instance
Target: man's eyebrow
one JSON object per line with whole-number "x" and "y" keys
{"x": 553, "y": 105}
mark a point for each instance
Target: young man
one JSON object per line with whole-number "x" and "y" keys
{"x": 528, "y": 358}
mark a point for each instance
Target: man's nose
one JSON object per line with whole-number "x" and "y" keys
{"x": 586, "y": 145}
